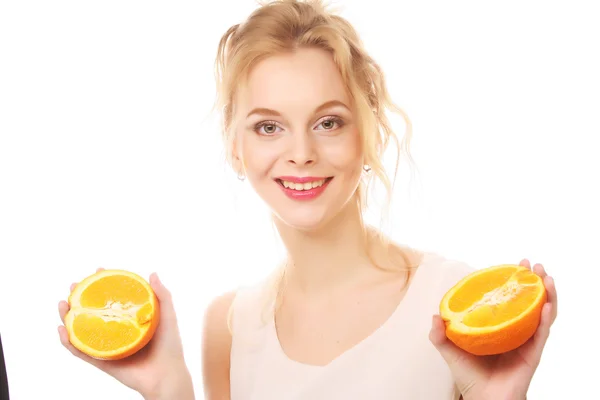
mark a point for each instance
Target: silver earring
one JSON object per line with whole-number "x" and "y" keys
{"x": 367, "y": 169}
{"x": 241, "y": 177}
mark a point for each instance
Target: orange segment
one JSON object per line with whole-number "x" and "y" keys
{"x": 113, "y": 314}
{"x": 494, "y": 310}
{"x": 103, "y": 335}
{"x": 114, "y": 288}
{"x": 477, "y": 286}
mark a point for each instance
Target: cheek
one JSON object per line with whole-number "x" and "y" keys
{"x": 345, "y": 154}
{"x": 259, "y": 158}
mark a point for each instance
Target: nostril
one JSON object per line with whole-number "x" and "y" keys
{"x": 301, "y": 162}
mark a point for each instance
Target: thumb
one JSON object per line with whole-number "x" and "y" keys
{"x": 165, "y": 299}
{"x": 460, "y": 362}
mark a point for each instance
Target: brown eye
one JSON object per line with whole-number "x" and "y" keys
{"x": 328, "y": 124}
{"x": 267, "y": 128}
{"x": 270, "y": 129}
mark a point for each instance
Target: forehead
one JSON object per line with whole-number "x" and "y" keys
{"x": 293, "y": 82}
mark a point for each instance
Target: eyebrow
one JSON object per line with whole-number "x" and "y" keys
{"x": 273, "y": 113}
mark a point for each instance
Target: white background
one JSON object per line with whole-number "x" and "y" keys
{"x": 108, "y": 157}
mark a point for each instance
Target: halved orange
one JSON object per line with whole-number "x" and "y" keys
{"x": 493, "y": 310}
{"x": 113, "y": 314}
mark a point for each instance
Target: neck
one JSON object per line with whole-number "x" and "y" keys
{"x": 330, "y": 256}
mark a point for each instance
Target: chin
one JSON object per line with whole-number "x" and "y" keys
{"x": 308, "y": 215}
{"x": 307, "y": 219}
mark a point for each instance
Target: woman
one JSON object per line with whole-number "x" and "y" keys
{"x": 349, "y": 314}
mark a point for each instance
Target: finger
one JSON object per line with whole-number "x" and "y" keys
{"x": 167, "y": 310}
{"x": 99, "y": 269}
{"x": 64, "y": 340}
{"x": 163, "y": 294}
{"x": 437, "y": 335}
{"x": 455, "y": 357}
{"x": 543, "y": 331}
{"x": 525, "y": 263}
{"x": 539, "y": 270}
{"x": 63, "y": 309}
{"x": 552, "y": 297}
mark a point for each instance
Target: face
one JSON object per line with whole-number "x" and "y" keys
{"x": 297, "y": 137}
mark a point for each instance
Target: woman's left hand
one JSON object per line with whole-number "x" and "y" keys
{"x": 504, "y": 376}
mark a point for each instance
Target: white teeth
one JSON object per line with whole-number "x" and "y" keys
{"x": 303, "y": 186}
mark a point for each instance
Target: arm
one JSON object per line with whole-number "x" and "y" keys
{"x": 216, "y": 348}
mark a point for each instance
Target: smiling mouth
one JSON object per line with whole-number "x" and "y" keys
{"x": 303, "y": 186}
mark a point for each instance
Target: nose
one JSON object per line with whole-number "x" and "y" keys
{"x": 302, "y": 149}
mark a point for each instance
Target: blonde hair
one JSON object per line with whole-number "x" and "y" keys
{"x": 285, "y": 25}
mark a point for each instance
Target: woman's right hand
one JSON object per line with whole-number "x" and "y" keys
{"x": 157, "y": 371}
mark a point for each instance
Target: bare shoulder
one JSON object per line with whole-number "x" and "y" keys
{"x": 218, "y": 309}
{"x": 216, "y": 347}
{"x": 216, "y": 320}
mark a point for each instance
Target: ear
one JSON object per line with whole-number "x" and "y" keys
{"x": 237, "y": 165}
{"x": 236, "y": 161}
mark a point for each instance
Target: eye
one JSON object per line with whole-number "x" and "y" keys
{"x": 331, "y": 123}
{"x": 266, "y": 128}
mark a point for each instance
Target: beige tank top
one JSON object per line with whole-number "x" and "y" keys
{"x": 397, "y": 361}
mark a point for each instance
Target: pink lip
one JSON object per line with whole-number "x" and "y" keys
{"x": 304, "y": 194}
